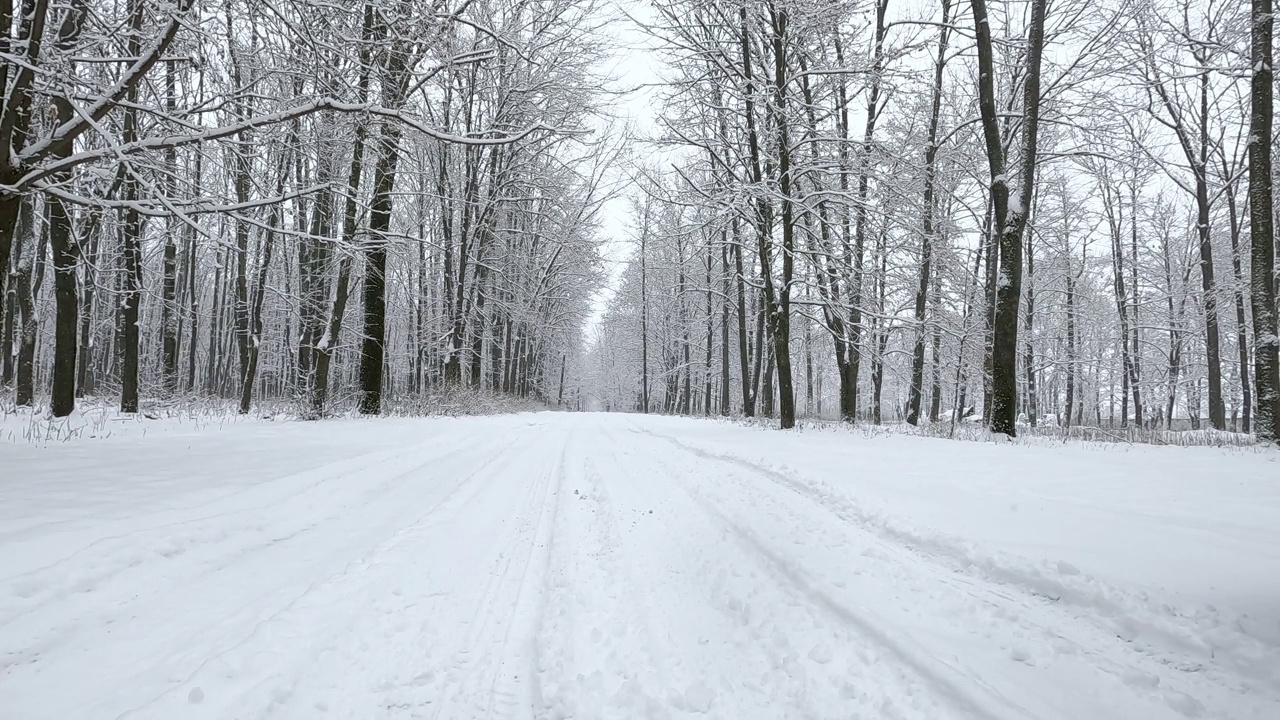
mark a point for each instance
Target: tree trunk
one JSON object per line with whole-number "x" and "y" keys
{"x": 1072, "y": 359}
{"x": 29, "y": 254}
{"x": 644, "y": 315}
{"x": 373, "y": 346}
{"x": 927, "y": 232}
{"x": 1217, "y": 409}
{"x": 1234, "y": 222}
{"x": 84, "y": 370}
{"x": 260, "y": 287}
{"x": 560, "y": 392}
{"x": 1029, "y": 358}
{"x": 313, "y": 259}
{"x": 132, "y": 234}
{"x": 744, "y": 352}
{"x": 860, "y": 210}
{"x": 67, "y": 307}
{"x": 327, "y": 342}
{"x": 169, "y": 270}
{"x": 1010, "y": 211}
{"x": 935, "y": 402}
{"x": 1115, "y": 220}
{"x": 131, "y": 299}
{"x": 192, "y": 289}
{"x": 779, "y": 299}
{"x": 707, "y": 371}
{"x": 1262, "y": 294}
{"x": 215, "y": 325}
{"x": 1135, "y": 377}
{"x": 62, "y": 243}
{"x": 990, "y": 259}
{"x": 725, "y": 398}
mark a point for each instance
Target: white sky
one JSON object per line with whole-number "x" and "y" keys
{"x": 634, "y": 66}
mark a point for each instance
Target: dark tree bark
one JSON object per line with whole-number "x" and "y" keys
{"x": 560, "y": 392}
{"x": 241, "y": 162}
{"x": 10, "y": 322}
{"x": 1175, "y": 335}
{"x": 828, "y": 259}
{"x": 67, "y": 308}
{"x": 192, "y": 288}
{"x": 84, "y": 370}
{"x": 169, "y": 271}
{"x": 1262, "y": 294}
{"x": 766, "y": 384}
{"x": 707, "y": 371}
{"x": 763, "y": 216}
{"x": 15, "y": 121}
{"x": 1234, "y": 221}
{"x": 725, "y": 397}
{"x": 373, "y": 346}
{"x": 860, "y": 209}
{"x": 325, "y": 346}
{"x": 1196, "y": 151}
{"x": 990, "y": 255}
{"x": 841, "y": 333}
{"x": 1069, "y": 279}
{"x": 928, "y": 231}
{"x": 131, "y": 300}
{"x": 131, "y": 246}
{"x": 644, "y": 315}
{"x": 744, "y": 352}
{"x": 1135, "y": 380}
{"x": 879, "y": 328}
{"x": 62, "y": 400}
{"x": 808, "y": 367}
{"x": 30, "y": 254}
{"x": 1029, "y": 356}
{"x": 260, "y": 286}
{"x": 935, "y": 401}
{"x": 1115, "y": 218}
{"x": 779, "y": 298}
{"x": 1010, "y": 212}
{"x": 313, "y": 261}
{"x": 215, "y": 324}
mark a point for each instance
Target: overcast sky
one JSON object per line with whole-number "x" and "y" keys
{"x": 634, "y": 67}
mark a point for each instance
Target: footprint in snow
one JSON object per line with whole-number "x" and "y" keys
{"x": 1184, "y": 703}
{"x": 698, "y": 698}
{"x": 1021, "y": 654}
{"x": 821, "y": 654}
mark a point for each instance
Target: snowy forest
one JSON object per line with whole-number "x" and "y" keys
{"x": 621, "y": 359}
{"x": 338, "y": 205}
{"x": 1014, "y": 213}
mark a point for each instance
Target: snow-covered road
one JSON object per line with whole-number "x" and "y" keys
{"x": 592, "y": 566}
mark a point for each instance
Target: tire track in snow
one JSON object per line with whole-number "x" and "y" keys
{"x": 1262, "y": 664}
{"x": 946, "y": 681}
{"x": 392, "y": 535}
{"x": 1147, "y": 672}
{"x": 156, "y": 543}
{"x": 107, "y": 593}
{"x": 249, "y": 576}
{"x": 597, "y": 648}
{"x": 741, "y": 644}
{"x": 499, "y": 654}
{"x": 388, "y": 578}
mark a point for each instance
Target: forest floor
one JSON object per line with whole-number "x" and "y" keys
{"x": 559, "y": 565}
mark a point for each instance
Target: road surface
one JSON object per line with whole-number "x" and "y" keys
{"x": 561, "y": 565}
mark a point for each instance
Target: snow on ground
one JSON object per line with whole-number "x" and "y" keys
{"x": 563, "y": 565}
